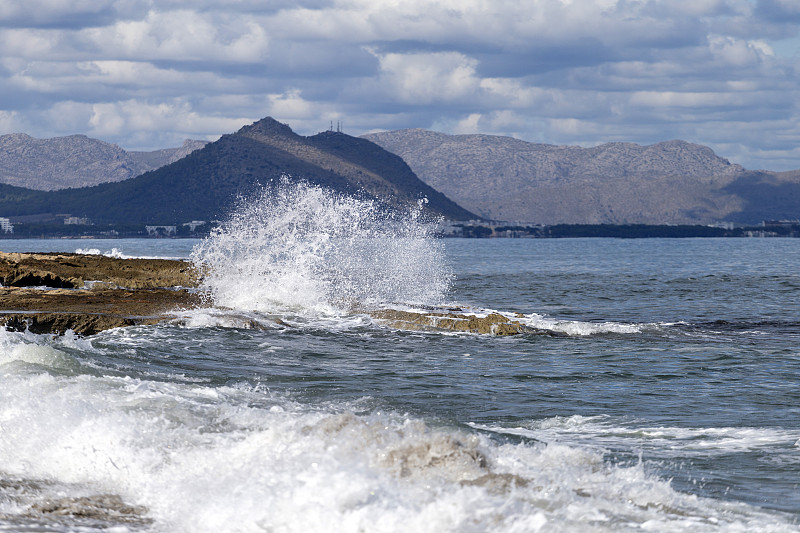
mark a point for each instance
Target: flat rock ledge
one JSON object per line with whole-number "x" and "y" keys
{"x": 74, "y": 271}
{"x": 56, "y": 292}
{"x": 53, "y": 293}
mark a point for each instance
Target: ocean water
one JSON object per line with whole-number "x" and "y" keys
{"x": 666, "y": 396}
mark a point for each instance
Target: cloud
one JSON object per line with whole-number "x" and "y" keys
{"x": 782, "y": 11}
{"x": 427, "y": 78}
{"x": 60, "y": 14}
{"x": 181, "y": 35}
{"x": 143, "y": 73}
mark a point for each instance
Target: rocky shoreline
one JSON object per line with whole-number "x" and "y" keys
{"x": 53, "y": 293}
{"x": 57, "y": 292}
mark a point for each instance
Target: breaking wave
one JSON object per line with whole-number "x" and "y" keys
{"x": 300, "y": 248}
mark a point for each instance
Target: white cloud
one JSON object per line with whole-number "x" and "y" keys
{"x": 290, "y": 105}
{"x": 182, "y": 36}
{"x": 516, "y": 94}
{"x": 468, "y": 124}
{"x": 700, "y": 100}
{"x": 424, "y": 78}
{"x": 737, "y": 53}
{"x": 115, "y": 118}
{"x": 107, "y": 120}
{"x": 65, "y": 117}
{"x": 9, "y": 121}
{"x": 29, "y": 43}
{"x": 56, "y": 12}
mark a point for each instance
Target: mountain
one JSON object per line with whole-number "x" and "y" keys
{"x": 76, "y": 161}
{"x": 204, "y": 184}
{"x": 673, "y": 182}
{"x": 158, "y": 158}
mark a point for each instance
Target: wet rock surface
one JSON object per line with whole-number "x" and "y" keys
{"x": 61, "y": 270}
{"x": 100, "y": 510}
{"x": 87, "y": 312}
{"x": 455, "y": 320}
{"x": 53, "y": 293}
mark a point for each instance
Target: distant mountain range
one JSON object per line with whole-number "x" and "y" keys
{"x": 673, "y": 182}
{"x": 204, "y": 184}
{"x": 77, "y": 161}
{"x": 499, "y": 178}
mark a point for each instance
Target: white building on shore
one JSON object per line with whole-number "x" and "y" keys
{"x": 161, "y": 231}
{"x": 6, "y": 226}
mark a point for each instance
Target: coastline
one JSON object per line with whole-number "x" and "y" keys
{"x": 484, "y": 229}
{"x": 53, "y": 293}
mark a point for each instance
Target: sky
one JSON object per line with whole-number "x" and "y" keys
{"x": 147, "y": 74}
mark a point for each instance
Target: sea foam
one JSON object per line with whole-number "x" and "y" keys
{"x": 188, "y": 457}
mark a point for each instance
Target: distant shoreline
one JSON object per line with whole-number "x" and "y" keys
{"x": 479, "y": 230}
{"x": 624, "y": 231}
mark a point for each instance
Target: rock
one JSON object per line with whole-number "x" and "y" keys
{"x": 74, "y": 270}
{"x": 87, "y": 312}
{"x": 36, "y": 278}
{"x": 492, "y": 324}
{"x": 53, "y": 293}
{"x": 103, "y": 508}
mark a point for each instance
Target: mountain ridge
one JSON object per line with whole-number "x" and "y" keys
{"x": 77, "y": 161}
{"x": 670, "y": 182}
{"x": 206, "y": 184}
{"x": 499, "y": 178}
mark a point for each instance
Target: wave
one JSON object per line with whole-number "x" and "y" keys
{"x": 117, "y": 253}
{"x": 607, "y": 433}
{"x": 303, "y": 249}
{"x": 578, "y": 328}
{"x": 436, "y": 320}
{"x": 87, "y": 452}
{"x": 295, "y": 253}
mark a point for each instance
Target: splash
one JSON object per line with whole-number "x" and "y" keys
{"x": 299, "y": 248}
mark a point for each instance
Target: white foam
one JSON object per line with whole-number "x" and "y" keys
{"x": 605, "y": 432}
{"x": 302, "y": 249}
{"x": 27, "y": 348}
{"x": 117, "y": 253}
{"x": 238, "y": 458}
{"x": 236, "y": 319}
{"x": 580, "y": 328}
{"x": 88, "y": 251}
{"x": 114, "y": 252}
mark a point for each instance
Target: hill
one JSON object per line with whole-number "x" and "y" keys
{"x": 76, "y": 161}
{"x": 673, "y": 182}
{"x": 203, "y": 185}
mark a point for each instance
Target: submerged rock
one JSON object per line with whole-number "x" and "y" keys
{"x": 100, "y": 509}
{"x": 455, "y": 320}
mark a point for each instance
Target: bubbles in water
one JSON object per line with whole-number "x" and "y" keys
{"x": 303, "y": 249}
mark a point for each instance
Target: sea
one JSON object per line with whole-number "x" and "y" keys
{"x": 658, "y": 389}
